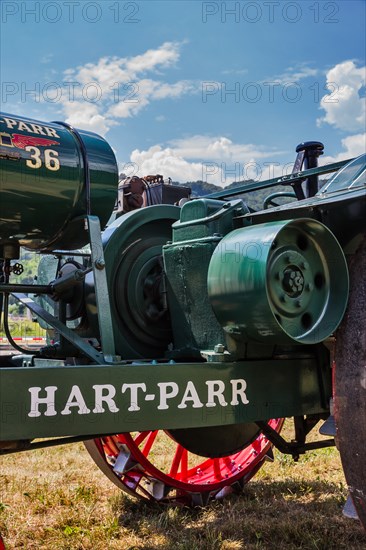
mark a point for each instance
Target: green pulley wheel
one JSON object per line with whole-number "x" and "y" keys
{"x": 279, "y": 282}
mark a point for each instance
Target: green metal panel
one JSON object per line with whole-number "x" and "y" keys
{"x": 201, "y": 226}
{"x": 42, "y": 183}
{"x": 117, "y": 398}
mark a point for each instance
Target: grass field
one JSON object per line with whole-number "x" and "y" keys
{"x": 22, "y": 327}
{"x": 57, "y": 499}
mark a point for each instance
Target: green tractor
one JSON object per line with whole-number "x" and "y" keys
{"x": 182, "y": 335}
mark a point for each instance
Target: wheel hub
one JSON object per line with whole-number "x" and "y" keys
{"x": 293, "y": 281}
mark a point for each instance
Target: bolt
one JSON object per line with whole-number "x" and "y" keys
{"x": 293, "y": 282}
{"x": 298, "y": 303}
{"x": 304, "y": 265}
{"x": 309, "y": 286}
{"x": 283, "y": 298}
{"x": 100, "y": 263}
{"x": 299, "y": 282}
{"x": 219, "y": 348}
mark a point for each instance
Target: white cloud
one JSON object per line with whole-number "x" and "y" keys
{"x": 47, "y": 58}
{"x": 343, "y": 106}
{"x": 85, "y": 115}
{"x": 238, "y": 72}
{"x": 293, "y": 74}
{"x": 165, "y": 56}
{"x": 353, "y": 146}
{"x": 217, "y": 160}
{"x": 164, "y": 90}
{"x": 97, "y": 94}
{"x": 168, "y": 162}
{"x": 219, "y": 149}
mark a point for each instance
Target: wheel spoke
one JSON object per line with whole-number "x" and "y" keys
{"x": 176, "y": 461}
{"x": 217, "y": 469}
{"x": 133, "y": 479}
{"x": 141, "y": 437}
{"x": 149, "y": 443}
{"x": 111, "y": 446}
{"x": 184, "y": 465}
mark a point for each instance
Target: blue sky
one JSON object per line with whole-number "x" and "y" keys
{"x": 193, "y": 90}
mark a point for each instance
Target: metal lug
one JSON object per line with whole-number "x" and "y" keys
{"x": 349, "y": 510}
{"x": 124, "y": 462}
{"x": 156, "y": 488}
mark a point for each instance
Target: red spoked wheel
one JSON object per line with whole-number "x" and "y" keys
{"x": 152, "y": 466}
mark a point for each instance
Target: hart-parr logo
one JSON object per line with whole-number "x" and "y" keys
{"x": 107, "y": 398}
{"x": 21, "y": 126}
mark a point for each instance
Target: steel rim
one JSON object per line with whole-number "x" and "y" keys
{"x": 185, "y": 478}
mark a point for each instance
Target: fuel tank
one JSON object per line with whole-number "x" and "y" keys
{"x": 51, "y": 176}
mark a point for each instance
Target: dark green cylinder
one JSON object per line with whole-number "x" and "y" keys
{"x": 44, "y": 194}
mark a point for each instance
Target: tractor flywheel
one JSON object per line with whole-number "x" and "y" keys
{"x": 133, "y": 254}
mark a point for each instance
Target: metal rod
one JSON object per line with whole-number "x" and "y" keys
{"x": 28, "y": 289}
{"x": 70, "y": 253}
{"x": 293, "y": 448}
{"x": 318, "y": 444}
{"x": 284, "y": 180}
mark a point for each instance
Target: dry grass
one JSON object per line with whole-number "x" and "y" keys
{"x": 56, "y": 499}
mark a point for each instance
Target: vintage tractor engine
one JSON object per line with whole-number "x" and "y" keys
{"x": 180, "y": 336}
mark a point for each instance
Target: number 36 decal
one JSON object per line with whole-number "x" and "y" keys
{"x": 50, "y": 159}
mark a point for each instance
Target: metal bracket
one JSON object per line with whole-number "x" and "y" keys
{"x": 294, "y": 448}
{"x": 101, "y": 291}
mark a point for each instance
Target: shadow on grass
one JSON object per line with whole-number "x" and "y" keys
{"x": 285, "y": 515}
